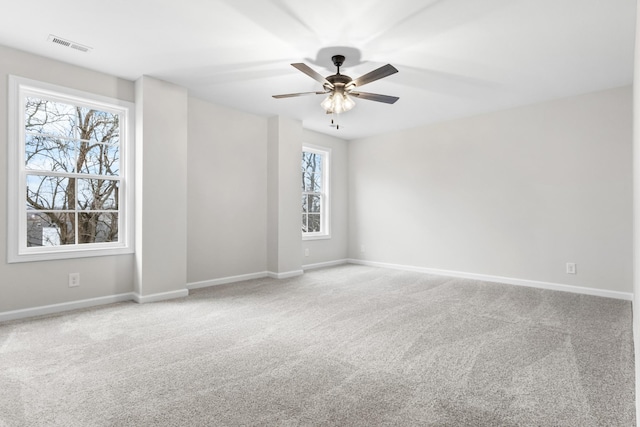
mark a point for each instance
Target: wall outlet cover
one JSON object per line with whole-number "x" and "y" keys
{"x": 571, "y": 268}
{"x": 74, "y": 280}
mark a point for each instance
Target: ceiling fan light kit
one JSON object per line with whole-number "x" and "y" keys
{"x": 340, "y": 88}
{"x": 337, "y": 103}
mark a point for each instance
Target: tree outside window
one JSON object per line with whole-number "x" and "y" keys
{"x": 72, "y": 164}
{"x": 314, "y": 192}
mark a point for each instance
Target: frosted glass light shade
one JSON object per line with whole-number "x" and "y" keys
{"x": 337, "y": 103}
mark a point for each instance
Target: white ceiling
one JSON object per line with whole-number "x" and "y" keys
{"x": 455, "y": 57}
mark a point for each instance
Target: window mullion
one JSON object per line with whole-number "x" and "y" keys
{"x": 71, "y": 175}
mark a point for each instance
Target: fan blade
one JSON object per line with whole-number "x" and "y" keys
{"x": 291, "y": 95}
{"x": 311, "y": 73}
{"x": 375, "y": 97}
{"x": 374, "y": 75}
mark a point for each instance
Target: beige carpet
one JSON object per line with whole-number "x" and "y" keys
{"x": 346, "y": 346}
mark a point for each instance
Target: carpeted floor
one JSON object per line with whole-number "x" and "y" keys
{"x": 345, "y": 346}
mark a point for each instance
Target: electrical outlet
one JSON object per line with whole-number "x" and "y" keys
{"x": 306, "y": 251}
{"x": 74, "y": 280}
{"x": 571, "y": 268}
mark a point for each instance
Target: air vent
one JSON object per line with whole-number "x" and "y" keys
{"x": 67, "y": 43}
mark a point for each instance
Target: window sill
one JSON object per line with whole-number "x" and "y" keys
{"x": 69, "y": 254}
{"x": 316, "y": 237}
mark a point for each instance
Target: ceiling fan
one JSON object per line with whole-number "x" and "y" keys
{"x": 341, "y": 88}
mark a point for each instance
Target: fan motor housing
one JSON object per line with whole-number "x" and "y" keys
{"x": 339, "y": 81}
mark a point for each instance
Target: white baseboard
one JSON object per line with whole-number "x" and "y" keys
{"x": 507, "y": 280}
{"x": 66, "y": 306}
{"x": 325, "y": 264}
{"x": 133, "y": 296}
{"x": 243, "y": 277}
{"x": 225, "y": 280}
{"x": 91, "y": 302}
{"x": 285, "y": 275}
{"x": 143, "y": 299}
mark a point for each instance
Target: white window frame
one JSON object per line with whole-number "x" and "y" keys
{"x": 17, "y": 250}
{"x": 325, "y": 195}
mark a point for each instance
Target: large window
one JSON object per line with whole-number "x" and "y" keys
{"x": 70, "y": 157}
{"x": 315, "y": 193}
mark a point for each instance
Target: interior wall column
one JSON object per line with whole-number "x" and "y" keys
{"x": 161, "y": 190}
{"x": 284, "y": 241}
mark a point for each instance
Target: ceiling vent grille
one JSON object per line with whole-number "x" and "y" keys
{"x": 67, "y": 43}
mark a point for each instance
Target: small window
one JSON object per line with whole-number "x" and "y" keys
{"x": 315, "y": 193}
{"x": 70, "y": 159}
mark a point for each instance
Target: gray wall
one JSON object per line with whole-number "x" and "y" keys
{"x": 227, "y": 192}
{"x": 334, "y": 249}
{"x": 516, "y": 193}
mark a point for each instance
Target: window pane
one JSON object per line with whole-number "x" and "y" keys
{"x": 312, "y": 182}
{"x": 49, "y": 192}
{"x": 97, "y": 227}
{"x": 100, "y": 159}
{"x": 311, "y": 172}
{"x": 314, "y": 203}
{"x": 98, "y": 126}
{"x": 49, "y": 154}
{"x": 98, "y": 194}
{"x": 306, "y": 160}
{"x": 50, "y": 229}
{"x": 311, "y": 161}
{"x": 50, "y": 118}
{"x": 304, "y": 203}
{"x": 304, "y": 223}
{"x": 314, "y": 223}
{"x": 100, "y": 155}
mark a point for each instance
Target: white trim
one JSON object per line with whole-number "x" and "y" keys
{"x": 325, "y": 210}
{"x": 225, "y": 280}
{"x": 12, "y": 174}
{"x": 143, "y": 299}
{"x": 312, "y": 236}
{"x": 65, "y": 306}
{"x": 17, "y": 250}
{"x": 285, "y": 275}
{"x": 499, "y": 279}
{"x": 325, "y": 264}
